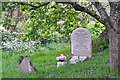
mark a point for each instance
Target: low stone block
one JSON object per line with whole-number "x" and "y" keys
{"x": 82, "y": 58}
{"x": 74, "y": 59}
{"x": 72, "y": 62}
{"x": 61, "y": 64}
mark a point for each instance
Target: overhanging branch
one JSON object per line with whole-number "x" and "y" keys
{"x": 104, "y": 15}
{"x": 101, "y": 11}
{"x": 76, "y": 7}
{"x": 102, "y": 18}
{"x": 34, "y": 7}
{"x": 86, "y": 10}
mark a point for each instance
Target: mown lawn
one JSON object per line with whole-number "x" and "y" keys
{"x": 45, "y": 61}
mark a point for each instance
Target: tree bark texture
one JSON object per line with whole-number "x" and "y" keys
{"x": 114, "y": 37}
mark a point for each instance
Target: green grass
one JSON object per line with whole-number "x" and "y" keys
{"x": 0, "y": 64}
{"x": 45, "y": 61}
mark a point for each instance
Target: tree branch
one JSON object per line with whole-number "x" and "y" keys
{"x": 103, "y": 18}
{"x": 34, "y": 7}
{"x": 101, "y": 11}
{"x": 76, "y": 7}
{"x": 86, "y": 10}
{"x": 107, "y": 20}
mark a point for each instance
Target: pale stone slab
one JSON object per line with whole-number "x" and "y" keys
{"x": 81, "y": 45}
{"x": 61, "y": 64}
{"x": 74, "y": 59}
{"x": 81, "y": 53}
{"x": 82, "y": 58}
{"x": 81, "y": 42}
{"x": 72, "y": 62}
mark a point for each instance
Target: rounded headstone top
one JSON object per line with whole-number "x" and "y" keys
{"x": 81, "y": 29}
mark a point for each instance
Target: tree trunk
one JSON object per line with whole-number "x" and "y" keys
{"x": 17, "y": 18}
{"x": 114, "y": 38}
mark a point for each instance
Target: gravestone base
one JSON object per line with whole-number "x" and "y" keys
{"x": 72, "y": 62}
{"x": 82, "y": 58}
{"x": 61, "y": 64}
{"x": 75, "y": 59}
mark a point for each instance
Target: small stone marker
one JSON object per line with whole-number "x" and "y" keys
{"x": 82, "y": 58}
{"x": 81, "y": 44}
{"x": 61, "y": 64}
{"x": 26, "y": 65}
{"x": 74, "y": 59}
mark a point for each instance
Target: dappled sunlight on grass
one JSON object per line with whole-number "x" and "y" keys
{"x": 45, "y": 61}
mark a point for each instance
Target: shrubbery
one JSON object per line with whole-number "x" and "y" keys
{"x": 13, "y": 44}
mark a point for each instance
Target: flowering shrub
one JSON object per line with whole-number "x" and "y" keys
{"x": 13, "y": 44}
{"x": 62, "y": 57}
